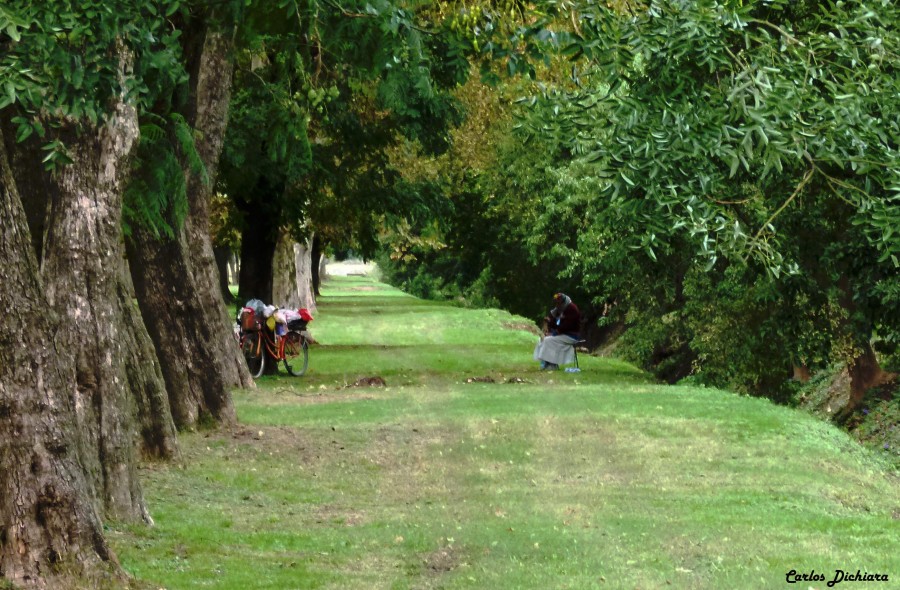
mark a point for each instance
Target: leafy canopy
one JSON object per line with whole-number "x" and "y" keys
{"x": 710, "y": 118}
{"x": 66, "y": 61}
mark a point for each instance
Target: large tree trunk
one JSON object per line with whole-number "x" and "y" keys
{"x": 32, "y": 181}
{"x": 212, "y": 96}
{"x": 177, "y": 324}
{"x": 38, "y": 191}
{"x": 84, "y": 276}
{"x": 292, "y": 272}
{"x": 47, "y": 514}
{"x": 177, "y": 281}
{"x": 258, "y": 241}
{"x": 156, "y": 428}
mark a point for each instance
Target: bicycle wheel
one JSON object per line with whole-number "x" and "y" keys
{"x": 296, "y": 353}
{"x": 254, "y": 354}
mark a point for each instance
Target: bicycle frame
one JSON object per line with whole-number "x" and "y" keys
{"x": 275, "y": 350}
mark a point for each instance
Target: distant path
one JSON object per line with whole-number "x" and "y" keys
{"x": 350, "y": 268}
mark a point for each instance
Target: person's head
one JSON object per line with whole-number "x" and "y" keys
{"x": 561, "y": 300}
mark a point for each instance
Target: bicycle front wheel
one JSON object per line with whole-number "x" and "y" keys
{"x": 252, "y": 347}
{"x": 296, "y": 353}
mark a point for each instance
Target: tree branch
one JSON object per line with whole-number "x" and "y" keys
{"x": 783, "y": 32}
{"x": 346, "y": 12}
{"x": 836, "y": 181}
{"x": 803, "y": 183}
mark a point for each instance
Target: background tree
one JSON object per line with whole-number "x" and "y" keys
{"x": 320, "y": 97}
{"x": 174, "y": 267}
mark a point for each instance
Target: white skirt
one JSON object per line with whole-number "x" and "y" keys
{"x": 555, "y": 349}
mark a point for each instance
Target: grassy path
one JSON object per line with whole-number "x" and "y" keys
{"x": 600, "y": 479}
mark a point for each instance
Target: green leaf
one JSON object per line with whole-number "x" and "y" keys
{"x": 24, "y": 132}
{"x": 13, "y": 31}
{"x": 10, "y": 91}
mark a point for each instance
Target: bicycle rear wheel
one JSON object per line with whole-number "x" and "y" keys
{"x": 252, "y": 347}
{"x": 296, "y": 353}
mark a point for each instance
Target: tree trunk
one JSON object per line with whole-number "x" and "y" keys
{"x": 865, "y": 373}
{"x": 318, "y": 268}
{"x": 32, "y": 182}
{"x": 306, "y": 267}
{"x": 47, "y": 514}
{"x": 83, "y": 271}
{"x": 800, "y": 373}
{"x": 292, "y": 270}
{"x": 863, "y": 369}
{"x": 285, "y": 289}
{"x": 211, "y": 98}
{"x": 158, "y": 438}
{"x": 234, "y": 269}
{"x": 258, "y": 242}
{"x": 177, "y": 281}
{"x": 223, "y": 256}
{"x": 177, "y": 325}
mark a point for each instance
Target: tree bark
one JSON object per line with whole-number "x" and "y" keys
{"x": 292, "y": 271}
{"x": 318, "y": 268}
{"x": 177, "y": 281}
{"x": 47, "y": 514}
{"x": 85, "y": 279}
{"x": 156, "y": 428}
{"x": 258, "y": 241}
{"x": 177, "y": 324}
{"x": 223, "y": 255}
{"x": 865, "y": 373}
{"x": 32, "y": 182}
{"x": 212, "y": 96}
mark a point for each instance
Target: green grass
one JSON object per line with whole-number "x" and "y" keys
{"x": 600, "y": 479}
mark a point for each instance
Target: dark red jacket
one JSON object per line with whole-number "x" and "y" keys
{"x": 569, "y": 321}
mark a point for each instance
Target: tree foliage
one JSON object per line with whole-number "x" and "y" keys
{"x": 725, "y": 173}
{"x": 156, "y": 196}
{"x": 57, "y": 63}
{"x": 319, "y": 101}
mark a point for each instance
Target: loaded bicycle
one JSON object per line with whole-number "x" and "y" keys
{"x": 272, "y": 340}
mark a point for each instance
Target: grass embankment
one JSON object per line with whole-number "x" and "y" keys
{"x": 600, "y": 479}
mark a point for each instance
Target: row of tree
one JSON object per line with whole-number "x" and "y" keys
{"x": 718, "y": 177}
{"x": 122, "y": 125}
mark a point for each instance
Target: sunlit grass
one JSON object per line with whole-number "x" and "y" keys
{"x": 598, "y": 479}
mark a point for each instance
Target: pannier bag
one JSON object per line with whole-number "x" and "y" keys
{"x": 248, "y": 319}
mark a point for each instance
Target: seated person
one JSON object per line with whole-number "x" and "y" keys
{"x": 561, "y": 328}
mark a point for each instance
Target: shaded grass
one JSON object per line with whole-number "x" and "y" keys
{"x": 600, "y": 479}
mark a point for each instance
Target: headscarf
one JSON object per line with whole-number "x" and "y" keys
{"x": 561, "y": 301}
